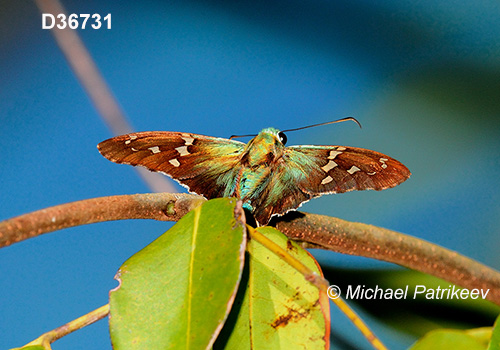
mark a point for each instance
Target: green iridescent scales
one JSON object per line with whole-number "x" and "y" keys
{"x": 267, "y": 176}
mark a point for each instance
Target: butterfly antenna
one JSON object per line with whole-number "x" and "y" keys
{"x": 238, "y": 136}
{"x": 305, "y": 127}
{"x": 320, "y": 124}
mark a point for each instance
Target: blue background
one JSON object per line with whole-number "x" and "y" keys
{"x": 422, "y": 77}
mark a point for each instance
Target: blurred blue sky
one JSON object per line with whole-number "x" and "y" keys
{"x": 422, "y": 77}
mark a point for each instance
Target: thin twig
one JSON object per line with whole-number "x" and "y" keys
{"x": 316, "y": 230}
{"x": 48, "y": 338}
{"x": 86, "y": 71}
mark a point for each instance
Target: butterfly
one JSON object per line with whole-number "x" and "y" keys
{"x": 269, "y": 177}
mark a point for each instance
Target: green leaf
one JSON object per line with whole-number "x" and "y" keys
{"x": 495, "y": 337}
{"x": 176, "y": 293}
{"x": 449, "y": 339}
{"x": 278, "y": 309}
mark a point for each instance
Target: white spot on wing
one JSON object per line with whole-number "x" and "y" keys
{"x": 174, "y": 162}
{"x": 329, "y": 166}
{"x": 372, "y": 173}
{"x": 327, "y": 180}
{"x": 183, "y": 150}
{"x": 333, "y": 154}
{"x": 383, "y": 160}
{"x": 132, "y": 138}
{"x": 353, "y": 169}
{"x": 341, "y": 148}
{"x": 154, "y": 149}
{"x": 133, "y": 149}
{"x": 188, "y": 140}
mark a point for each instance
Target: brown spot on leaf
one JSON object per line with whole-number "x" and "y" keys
{"x": 290, "y": 246}
{"x": 291, "y": 316}
{"x": 282, "y": 320}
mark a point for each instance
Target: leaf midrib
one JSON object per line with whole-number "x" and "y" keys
{"x": 197, "y": 213}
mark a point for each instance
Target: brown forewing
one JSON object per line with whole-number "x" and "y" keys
{"x": 196, "y": 161}
{"x": 306, "y": 172}
{"x": 338, "y": 169}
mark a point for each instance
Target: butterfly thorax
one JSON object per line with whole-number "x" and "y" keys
{"x": 262, "y": 150}
{"x": 257, "y": 161}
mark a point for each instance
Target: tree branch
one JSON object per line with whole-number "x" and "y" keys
{"x": 157, "y": 206}
{"x": 316, "y": 230}
{"x": 370, "y": 241}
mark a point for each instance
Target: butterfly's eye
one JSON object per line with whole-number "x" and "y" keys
{"x": 282, "y": 137}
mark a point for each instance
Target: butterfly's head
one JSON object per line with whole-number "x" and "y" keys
{"x": 273, "y": 135}
{"x": 264, "y": 148}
